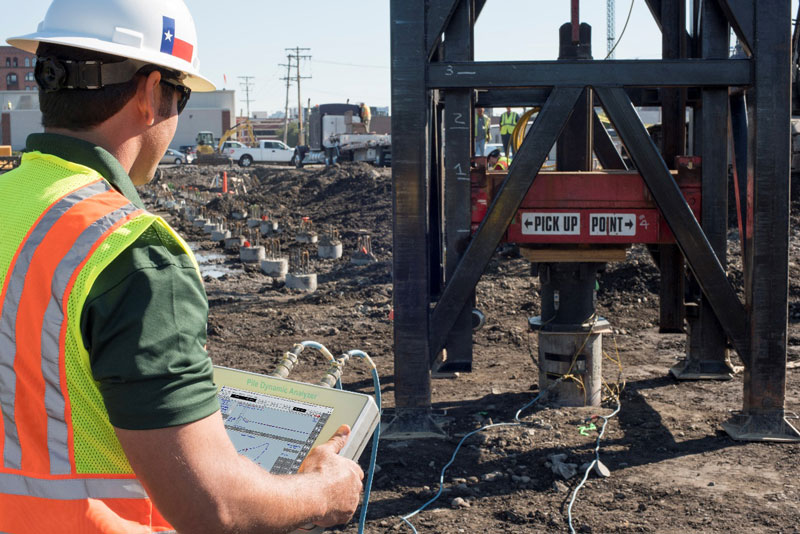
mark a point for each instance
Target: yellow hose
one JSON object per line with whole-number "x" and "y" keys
{"x": 519, "y": 130}
{"x": 519, "y": 134}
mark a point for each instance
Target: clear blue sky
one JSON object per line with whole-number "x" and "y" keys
{"x": 349, "y": 41}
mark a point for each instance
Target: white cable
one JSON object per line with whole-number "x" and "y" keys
{"x": 605, "y": 419}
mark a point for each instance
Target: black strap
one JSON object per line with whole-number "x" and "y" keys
{"x": 54, "y": 74}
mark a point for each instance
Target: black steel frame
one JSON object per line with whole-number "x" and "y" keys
{"x": 433, "y": 94}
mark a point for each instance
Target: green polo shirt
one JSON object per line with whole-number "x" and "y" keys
{"x": 144, "y": 321}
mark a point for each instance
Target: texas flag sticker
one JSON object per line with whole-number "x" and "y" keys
{"x": 172, "y": 45}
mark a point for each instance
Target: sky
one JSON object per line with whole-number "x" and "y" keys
{"x": 349, "y": 42}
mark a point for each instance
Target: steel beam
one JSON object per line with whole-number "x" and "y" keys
{"x": 439, "y": 13}
{"x": 500, "y": 98}
{"x": 707, "y": 353}
{"x": 604, "y": 147}
{"x": 410, "y": 243}
{"x": 740, "y": 146}
{"x": 574, "y": 145}
{"x": 673, "y": 143}
{"x": 524, "y": 168}
{"x": 691, "y": 240}
{"x": 763, "y": 417}
{"x": 740, "y": 16}
{"x": 458, "y": 208}
{"x": 608, "y": 73}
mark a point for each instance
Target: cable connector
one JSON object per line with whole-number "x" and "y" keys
{"x": 333, "y": 374}
{"x": 288, "y": 362}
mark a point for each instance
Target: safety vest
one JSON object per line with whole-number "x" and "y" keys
{"x": 501, "y": 164}
{"x": 507, "y": 122}
{"x": 62, "y": 468}
{"x": 487, "y": 123}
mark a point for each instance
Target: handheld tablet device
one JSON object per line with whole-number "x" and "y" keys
{"x": 275, "y": 422}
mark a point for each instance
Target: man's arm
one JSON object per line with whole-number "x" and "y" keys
{"x": 200, "y": 484}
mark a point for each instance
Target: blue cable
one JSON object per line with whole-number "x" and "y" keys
{"x": 517, "y": 422}
{"x": 376, "y": 436}
{"x": 373, "y": 455}
{"x": 441, "y": 475}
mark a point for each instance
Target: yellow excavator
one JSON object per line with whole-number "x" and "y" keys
{"x": 208, "y": 154}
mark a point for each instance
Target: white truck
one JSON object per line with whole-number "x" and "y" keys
{"x": 265, "y": 152}
{"x": 336, "y": 133}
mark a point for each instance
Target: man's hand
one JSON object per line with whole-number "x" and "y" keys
{"x": 200, "y": 484}
{"x": 343, "y": 478}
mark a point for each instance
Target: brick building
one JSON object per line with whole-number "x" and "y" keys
{"x": 16, "y": 70}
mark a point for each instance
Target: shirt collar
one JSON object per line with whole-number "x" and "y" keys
{"x": 89, "y": 155}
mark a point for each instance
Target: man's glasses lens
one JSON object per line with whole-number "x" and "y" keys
{"x": 183, "y": 97}
{"x": 183, "y": 94}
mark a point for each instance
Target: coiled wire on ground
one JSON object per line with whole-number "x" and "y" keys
{"x": 518, "y": 422}
{"x": 614, "y": 392}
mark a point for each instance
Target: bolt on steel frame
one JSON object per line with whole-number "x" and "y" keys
{"x": 437, "y": 262}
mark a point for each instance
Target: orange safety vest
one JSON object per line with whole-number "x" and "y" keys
{"x": 62, "y": 468}
{"x": 501, "y": 164}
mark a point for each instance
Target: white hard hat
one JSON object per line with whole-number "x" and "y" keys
{"x": 157, "y": 32}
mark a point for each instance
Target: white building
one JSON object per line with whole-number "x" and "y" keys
{"x": 214, "y": 112}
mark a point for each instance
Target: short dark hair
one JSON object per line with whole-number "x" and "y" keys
{"x": 82, "y": 109}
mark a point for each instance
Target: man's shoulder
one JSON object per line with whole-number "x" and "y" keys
{"x": 154, "y": 254}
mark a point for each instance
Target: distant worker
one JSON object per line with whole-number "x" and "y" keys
{"x": 110, "y": 418}
{"x": 508, "y": 121}
{"x": 366, "y": 116}
{"x": 494, "y": 162}
{"x": 482, "y": 133}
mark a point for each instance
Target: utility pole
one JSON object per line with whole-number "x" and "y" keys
{"x": 288, "y": 81}
{"x": 246, "y": 83}
{"x": 297, "y": 58}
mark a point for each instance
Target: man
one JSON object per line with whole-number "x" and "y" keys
{"x": 508, "y": 121}
{"x": 366, "y": 116}
{"x": 482, "y": 134}
{"x": 110, "y": 421}
{"x": 496, "y": 163}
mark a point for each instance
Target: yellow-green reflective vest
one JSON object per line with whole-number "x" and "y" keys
{"x": 62, "y": 467}
{"x": 507, "y": 122}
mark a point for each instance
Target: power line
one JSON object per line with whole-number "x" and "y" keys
{"x": 352, "y": 64}
{"x": 247, "y": 84}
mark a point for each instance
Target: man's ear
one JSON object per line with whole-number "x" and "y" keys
{"x": 147, "y": 96}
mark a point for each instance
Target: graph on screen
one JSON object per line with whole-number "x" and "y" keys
{"x": 273, "y": 432}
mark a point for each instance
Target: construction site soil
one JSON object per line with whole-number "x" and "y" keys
{"x": 672, "y": 467}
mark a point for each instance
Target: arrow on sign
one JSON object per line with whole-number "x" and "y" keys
{"x": 629, "y": 224}
{"x": 528, "y": 223}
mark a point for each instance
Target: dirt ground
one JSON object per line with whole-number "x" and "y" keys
{"x": 673, "y": 469}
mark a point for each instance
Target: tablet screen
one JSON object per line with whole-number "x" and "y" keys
{"x": 274, "y": 432}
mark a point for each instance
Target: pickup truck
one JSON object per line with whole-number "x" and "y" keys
{"x": 266, "y": 152}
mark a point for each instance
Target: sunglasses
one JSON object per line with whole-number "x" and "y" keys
{"x": 183, "y": 93}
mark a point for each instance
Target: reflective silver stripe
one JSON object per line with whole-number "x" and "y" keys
{"x": 12, "y": 455}
{"x": 57, "y": 431}
{"x": 71, "y": 488}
